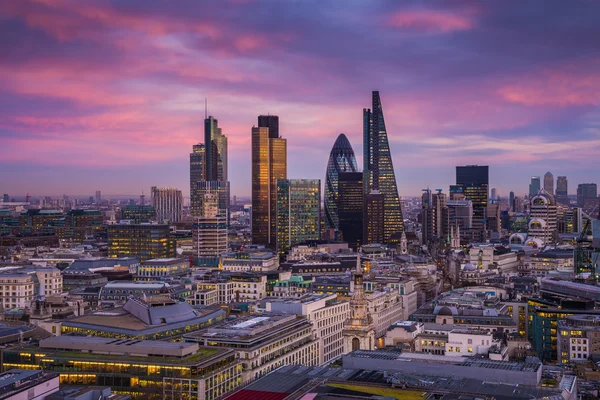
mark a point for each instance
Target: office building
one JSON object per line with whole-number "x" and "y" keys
{"x": 434, "y": 217}
{"x": 298, "y": 212}
{"x": 168, "y": 204}
{"x": 350, "y": 207}
{"x": 578, "y": 338}
{"x": 222, "y": 190}
{"x": 494, "y": 194}
{"x": 142, "y": 368}
{"x": 586, "y": 191}
{"x": 472, "y": 182}
{"x": 98, "y": 197}
{"x": 269, "y": 163}
{"x": 209, "y": 232}
{"x": 374, "y": 219}
{"x": 250, "y": 261}
{"x": 215, "y": 151}
{"x": 549, "y": 183}
{"x": 378, "y": 167}
{"x": 197, "y": 174}
{"x": 534, "y": 186}
{"x": 142, "y": 241}
{"x": 21, "y": 285}
{"x": 162, "y": 268}
{"x": 327, "y": 316}
{"x": 263, "y": 343}
{"x": 138, "y": 214}
{"x": 543, "y": 220}
{"x": 21, "y": 384}
{"x": 341, "y": 159}
{"x": 562, "y": 193}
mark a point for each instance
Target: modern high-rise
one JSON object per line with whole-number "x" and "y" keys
{"x": 350, "y": 207}
{"x": 511, "y": 201}
{"x": 215, "y": 151}
{"x": 378, "y": 168}
{"x": 586, "y": 191}
{"x": 472, "y": 182}
{"x": 197, "y": 174}
{"x": 98, "y": 197}
{"x": 534, "y": 186}
{"x": 494, "y": 194}
{"x": 549, "y": 183}
{"x": 209, "y": 232}
{"x": 168, "y": 204}
{"x": 221, "y": 188}
{"x": 298, "y": 212}
{"x": 341, "y": 159}
{"x": 434, "y": 221}
{"x": 374, "y": 222}
{"x": 562, "y": 190}
{"x": 269, "y": 163}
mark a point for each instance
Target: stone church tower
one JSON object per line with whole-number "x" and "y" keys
{"x": 358, "y": 332}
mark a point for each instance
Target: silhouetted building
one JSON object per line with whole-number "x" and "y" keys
{"x": 511, "y": 201}
{"x": 215, "y": 151}
{"x": 374, "y": 222}
{"x": 586, "y": 191}
{"x": 341, "y": 159}
{"x": 549, "y": 183}
{"x": 378, "y": 168}
{"x": 472, "y": 182}
{"x": 350, "y": 207}
{"x": 269, "y": 163}
{"x": 562, "y": 193}
{"x": 197, "y": 174}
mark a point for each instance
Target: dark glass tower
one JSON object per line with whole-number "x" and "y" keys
{"x": 473, "y": 182}
{"x": 271, "y": 122}
{"x": 350, "y": 207}
{"x": 378, "y": 172}
{"x": 197, "y": 174}
{"x": 341, "y": 159}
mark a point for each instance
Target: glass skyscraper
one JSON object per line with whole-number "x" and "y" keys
{"x": 472, "y": 181}
{"x": 269, "y": 163}
{"x": 298, "y": 212}
{"x": 350, "y": 207}
{"x": 197, "y": 174}
{"x": 378, "y": 172}
{"x": 341, "y": 159}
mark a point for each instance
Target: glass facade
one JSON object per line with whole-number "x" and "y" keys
{"x": 350, "y": 205}
{"x": 378, "y": 167}
{"x": 197, "y": 174}
{"x": 298, "y": 212}
{"x": 341, "y": 159}
{"x": 472, "y": 181}
{"x": 143, "y": 242}
{"x": 216, "y": 151}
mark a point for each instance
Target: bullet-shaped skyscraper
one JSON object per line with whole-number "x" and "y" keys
{"x": 269, "y": 163}
{"x": 378, "y": 171}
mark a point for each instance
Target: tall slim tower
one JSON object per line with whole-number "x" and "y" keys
{"x": 341, "y": 159}
{"x": 378, "y": 168}
{"x": 472, "y": 182}
{"x": 216, "y": 151}
{"x": 562, "y": 193}
{"x": 197, "y": 174}
{"x": 269, "y": 163}
{"x": 549, "y": 183}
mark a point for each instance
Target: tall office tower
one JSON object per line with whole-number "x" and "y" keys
{"x": 511, "y": 201}
{"x": 494, "y": 194}
{"x": 341, "y": 159}
{"x": 271, "y": 122}
{"x": 98, "y": 197}
{"x": 221, "y": 188}
{"x": 350, "y": 207}
{"x": 374, "y": 222}
{"x": 585, "y": 193}
{"x": 378, "y": 168}
{"x": 434, "y": 221}
{"x": 534, "y": 186}
{"x": 215, "y": 144}
{"x": 472, "y": 181}
{"x": 562, "y": 193}
{"x": 549, "y": 183}
{"x": 298, "y": 212}
{"x": 269, "y": 163}
{"x": 197, "y": 174}
{"x": 543, "y": 220}
{"x": 209, "y": 232}
{"x": 168, "y": 204}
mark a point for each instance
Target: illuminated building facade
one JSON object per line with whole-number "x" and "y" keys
{"x": 142, "y": 241}
{"x": 562, "y": 190}
{"x": 378, "y": 168}
{"x": 472, "y": 182}
{"x": 197, "y": 174}
{"x": 374, "y": 222}
{"x": 269, "y": 163}
{"x": 159, "y": 370}
{"x": 162, "y": 268}
{"x": 350, "y": 207}
{"x": 215, "y": 148}
{"x": 138, "y": 214}
{"x": 543, "y": 220}
{"x": 578, "y": 338}
{"x": 298, "y": 212}
{"x": 209, "y": 232}
{"x": 341, "y": 159}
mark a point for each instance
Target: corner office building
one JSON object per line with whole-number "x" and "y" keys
{"x": 142, "y": 241}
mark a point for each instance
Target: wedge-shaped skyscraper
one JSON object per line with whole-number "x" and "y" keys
{"x": 341, "y": 159}
{"x": 378, "y": 172}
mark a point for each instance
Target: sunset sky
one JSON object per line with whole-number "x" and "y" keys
{"x": 101, "y": 95}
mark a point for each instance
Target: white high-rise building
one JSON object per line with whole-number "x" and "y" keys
{"x": 168, "y": 203}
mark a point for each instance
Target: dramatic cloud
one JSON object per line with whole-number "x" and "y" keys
{"x": 110, "y": 95}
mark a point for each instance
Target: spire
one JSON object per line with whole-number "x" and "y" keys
{"x": 358, "y": 264}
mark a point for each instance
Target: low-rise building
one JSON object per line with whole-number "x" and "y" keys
{"x": 544, "y": 262}
{"x": 155, "y": 369}
{"x": 249, "y": 286}
{"x": 224, "y": 288}
{"x": 464, "y": 342}
{"x": 119, "y": 292}
{"x": 204, "y": 297}
{"x": 250, "y": 261}
{"x": 295, "y": 286}
{"x": 385, "y": 307}
{"x": 19, "y": 285}
{"x": 578, "y": 338}
{"x": 263, "y": 343}
{"x": 22, "y": 384}
{"x": 161, "y": 268}
{"x": 327, "y": 315}
{"x": 403, "y": 334}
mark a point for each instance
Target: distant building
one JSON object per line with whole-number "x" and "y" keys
{"x": 20, "y": 285}
{"x": 142, "y": 241}
{"x": 168, "y": 203}
{"x": 472, "y": 182}
{"x": 534, "y": 186}
{"x": 549, "y": 183}
{"x": 269, "y": 163}
{"x": 250, "y": 261}
{"x": 562, "y": 193}
{"x": 341, "y": 159}
{"x": 543, "y": 220}
{"x": 138, "y": 213}
{"x": 435, "y": 217}
{"x": 587, "y": 193}
{"x": 298, "y": 212}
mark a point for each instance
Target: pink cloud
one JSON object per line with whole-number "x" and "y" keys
{"x": 430, "y": 21}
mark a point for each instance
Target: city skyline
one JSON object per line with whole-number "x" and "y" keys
{"x": 111, "y": 97}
